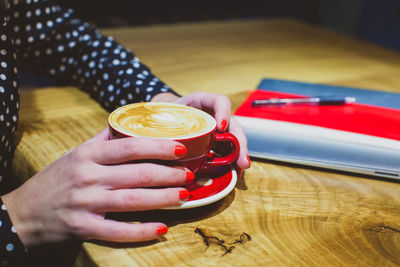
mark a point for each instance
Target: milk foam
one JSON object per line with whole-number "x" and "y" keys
{"x": 161, "y": 120}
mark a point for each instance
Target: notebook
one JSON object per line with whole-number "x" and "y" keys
{"x": 361, "y": 137}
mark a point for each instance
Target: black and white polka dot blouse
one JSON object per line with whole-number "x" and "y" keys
{"x": 39, "y": 37}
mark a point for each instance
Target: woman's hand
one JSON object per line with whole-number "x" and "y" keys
{"x": 218, "y": 106}
{"x": 69, "y": 198}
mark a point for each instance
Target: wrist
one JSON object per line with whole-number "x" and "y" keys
{"x": 13, "y": 251}
{"x": 11, "y": 204}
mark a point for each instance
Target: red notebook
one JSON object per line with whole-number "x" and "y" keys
{"x": 353, "y": 117}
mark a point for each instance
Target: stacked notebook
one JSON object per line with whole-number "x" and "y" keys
{"x": 361, "y": 137}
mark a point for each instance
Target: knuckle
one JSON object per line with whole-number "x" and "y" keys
{"x": 116, "y": 233}
{"x": 144, "y": 175}
{"x": 128, "y": 146}
{"x": 82, "y": 178}
{"x": 75, "y": 225}
{"x": 165, "y": 146}
{"x": 79, "y": 154}
{"x": 243, "y": 142}
{"x": 79, "y": 200}
{"x": 224, "y": 98}
{"x": 201, "y": 94}
{"x": 227, "y": 102}
{"x": 130, "y": 199}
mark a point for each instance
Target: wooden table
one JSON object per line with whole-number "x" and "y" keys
{"x": 291, "y": 215}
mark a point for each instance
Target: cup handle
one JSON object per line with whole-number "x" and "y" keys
{"x": 232, "y": 157}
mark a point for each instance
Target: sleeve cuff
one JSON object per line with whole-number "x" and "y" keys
{"x": 12, "y": 251}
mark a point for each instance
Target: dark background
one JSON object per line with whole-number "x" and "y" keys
{"x": 377, "y": 21}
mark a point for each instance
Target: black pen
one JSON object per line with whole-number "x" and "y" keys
{"x": 315, "y": 100}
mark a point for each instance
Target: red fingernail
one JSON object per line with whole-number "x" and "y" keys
{"x": 248, "y": 160}
{"x": 184, "y": 195}
{"x": 189, "y": 177}
{"x": 162, "y": 230}
{"x": 180, "y": 150}
{"x": 223, "y": 125}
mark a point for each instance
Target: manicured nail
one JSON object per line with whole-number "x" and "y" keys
{"x": 189, "y": 177}
{"x": 223, "y": 125}
{"x": 180, "y": 150}
{"x": 184, "y": 195}
{"x": 248, "y": 160}
{"x": 162, "y": 230}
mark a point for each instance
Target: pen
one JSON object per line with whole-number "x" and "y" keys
{"x": 315, "y": 100}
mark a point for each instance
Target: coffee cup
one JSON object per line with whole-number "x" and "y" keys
{"x": 192, "y": 127}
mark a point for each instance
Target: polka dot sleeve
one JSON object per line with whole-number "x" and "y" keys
{"x": 51, "y": 41}
{"x": 12, "y": 251}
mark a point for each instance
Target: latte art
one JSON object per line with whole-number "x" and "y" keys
{"x": 161, "y": 120}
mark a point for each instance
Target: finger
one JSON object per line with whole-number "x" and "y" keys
{"x": 222, "y": 112}
{"x": 109, "y": 230}
{"x": 218, "y": 105}
{"x": 221, "y": 107}
{"x": 122, "y": 200}
{"x": 101, "y": 136}
{"x": 243, "y": 161}
{"x": 134, "y": 148}
{"x": 144, "y": 175}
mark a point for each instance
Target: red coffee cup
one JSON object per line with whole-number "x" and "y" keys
{"x": 198, "y": 139}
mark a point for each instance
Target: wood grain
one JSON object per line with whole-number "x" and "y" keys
{"x": 278, "y": 214}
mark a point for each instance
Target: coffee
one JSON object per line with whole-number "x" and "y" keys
{"x": 161, "y": 120}
{"x": 193, "y": 128}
